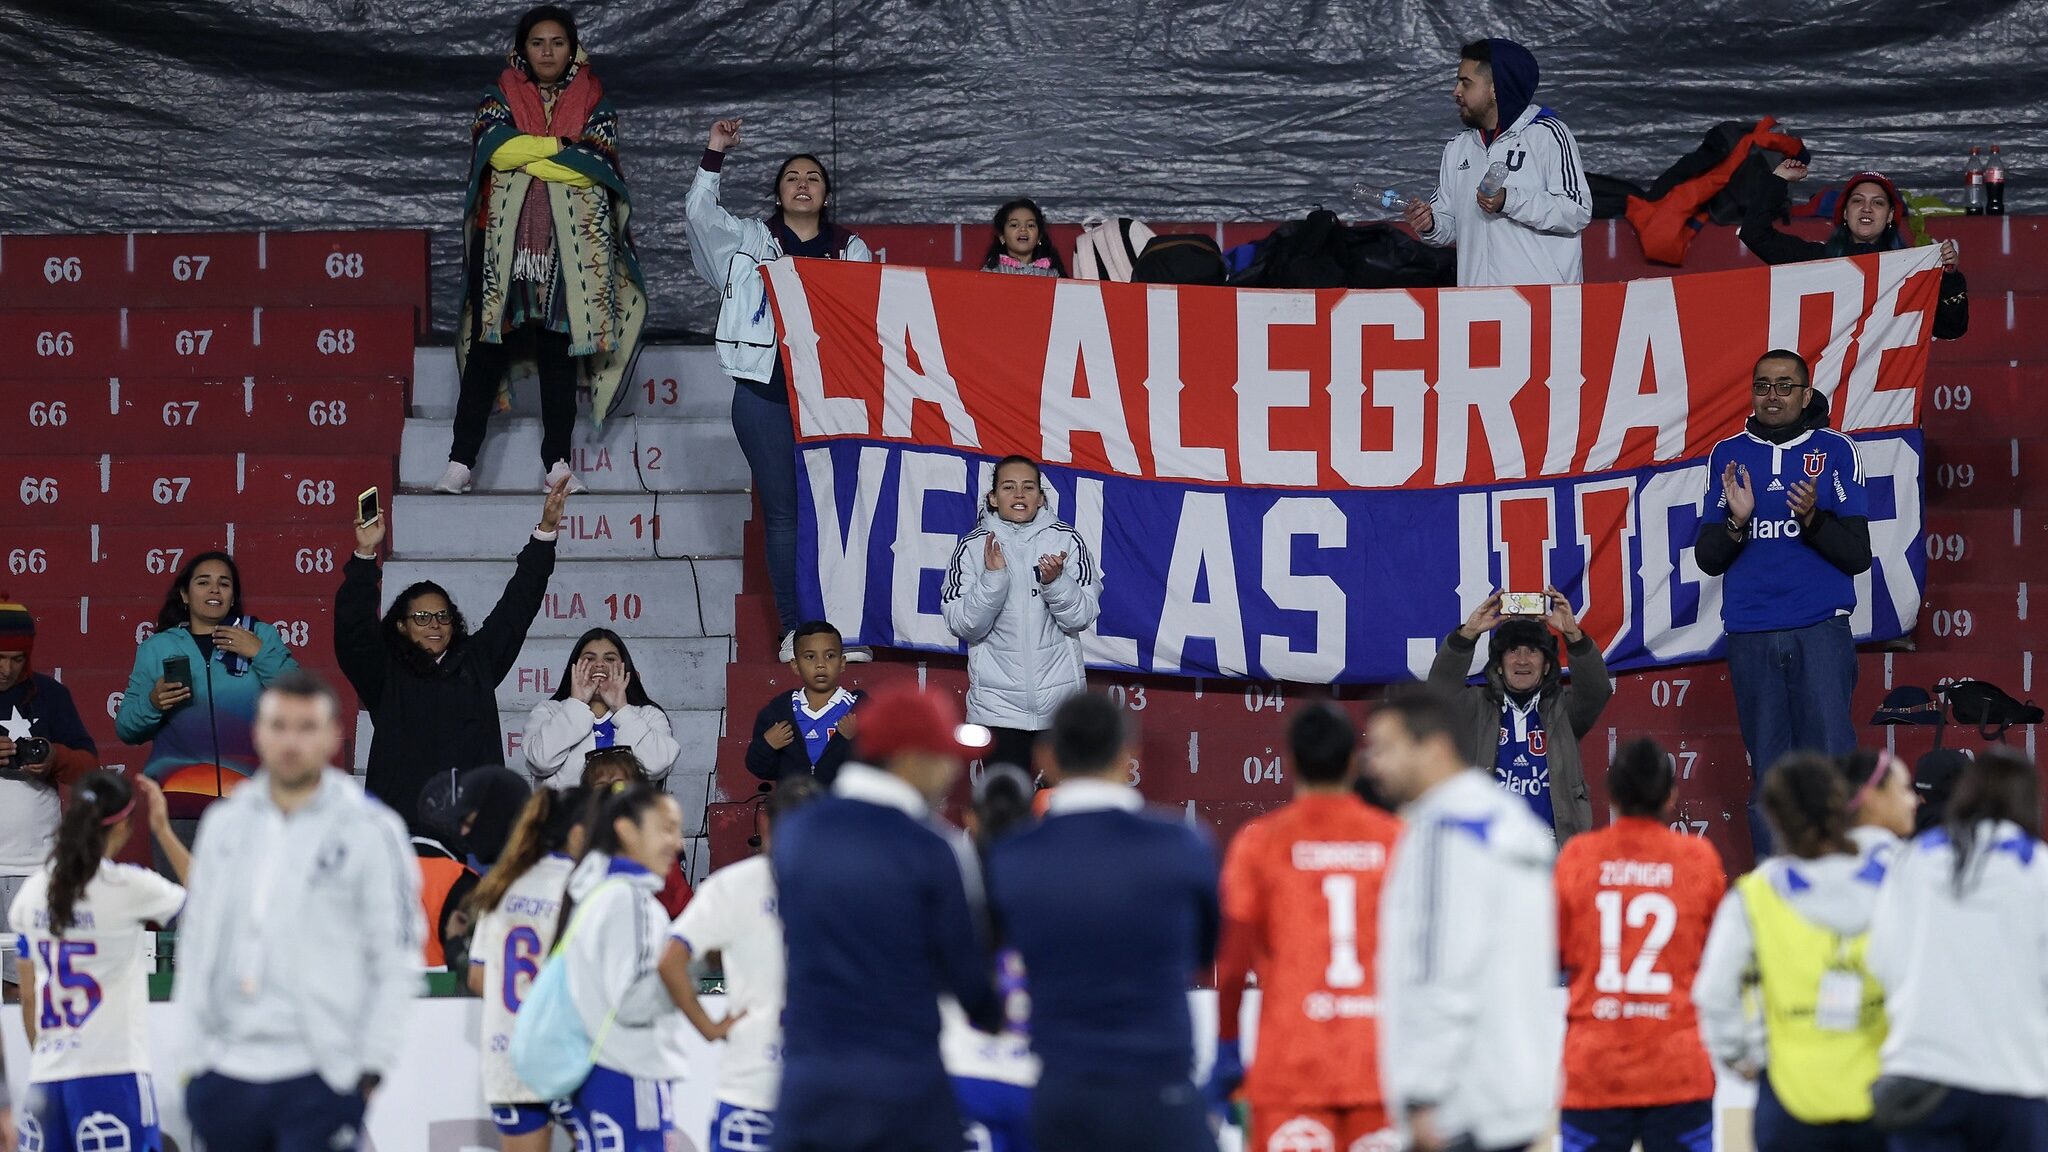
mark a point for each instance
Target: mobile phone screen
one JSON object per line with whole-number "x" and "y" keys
{"x": 366, "y": 506}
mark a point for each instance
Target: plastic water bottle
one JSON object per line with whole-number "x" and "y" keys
{"x": 1994, "y": 184}
{"x": 1496, "y": 178}
{"x": 1973, "y": 183}
{"x": 1370, "y": 194}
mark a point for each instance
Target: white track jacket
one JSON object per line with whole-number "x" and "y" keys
{"x": 1470, "y": 1014}
{"x": 1535, "y": 237}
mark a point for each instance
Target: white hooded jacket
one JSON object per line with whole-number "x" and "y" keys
{"x": 1534, "y": 239}
{"x": 614, "y": 958}
{"x": 1966, "y": 975}
{"x": 1023, "y": 638}
{"x": 728, "y": 253}
{"x": 1469, "y": 1005}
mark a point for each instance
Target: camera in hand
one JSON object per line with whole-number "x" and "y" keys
{"x": 33, "y": 750}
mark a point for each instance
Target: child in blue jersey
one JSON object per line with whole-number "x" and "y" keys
{"x": 84, "y": 975}
{"x": 1788, "y": 531}
{"x": 809, "y": 731}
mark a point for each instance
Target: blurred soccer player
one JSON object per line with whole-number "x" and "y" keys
{"x": 1634, "y": 902}
{"x": 1301, "y": 897}
{"x": 1113, "y": 908}
{"x": 878, "y": 924}
{"x": 1468, "y": 944}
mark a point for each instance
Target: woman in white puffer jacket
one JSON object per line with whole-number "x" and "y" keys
{"x": 1021, "y": 589}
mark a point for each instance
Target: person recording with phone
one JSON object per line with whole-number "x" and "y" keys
{"x": 1512, "y": 721}
{"x": 192, "y": 694}
{"x": 429, "y": 684}
{"x": 43, "y": 746}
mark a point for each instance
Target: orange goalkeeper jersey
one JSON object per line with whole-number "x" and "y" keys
{"x": 1634, "y": 903}
{"x": 1304, "y": 882}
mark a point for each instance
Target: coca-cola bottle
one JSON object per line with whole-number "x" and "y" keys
{"x": 1994, "y": 184}
{"x": 1973, "y": 183}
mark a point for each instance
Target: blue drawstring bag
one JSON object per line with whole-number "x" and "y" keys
{"x": 551, "y": 1051}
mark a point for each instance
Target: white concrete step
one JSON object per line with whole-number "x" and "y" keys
{"x": 690, "y": 597}
{"x": 689, "y": 781}
{"x": 683, "y": 673}
{"x": 636, "y": 454}
{"x": 618, "y": 526}
{"x": 668, "y": 380}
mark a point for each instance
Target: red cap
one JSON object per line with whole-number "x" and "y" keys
{"x": 904, "y": 719}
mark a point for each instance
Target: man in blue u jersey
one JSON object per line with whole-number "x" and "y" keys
{"x": 1789, "y": 531}
{"x": 1113, "y": 909}
{"x": 877, "y": 923}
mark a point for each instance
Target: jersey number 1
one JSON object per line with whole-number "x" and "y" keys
{"x": 1344, "y": 971}
{"x": 1642, "y": 979}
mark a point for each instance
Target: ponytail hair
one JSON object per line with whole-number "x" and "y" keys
{"x": 543, "y": 826}
{"x": 2000, "y": 784}
{"x": 1639, "y": 781}
{"x": 1807, "y": 803}
{"x": 98, "y": 803}
{"x": 628, "y": 802}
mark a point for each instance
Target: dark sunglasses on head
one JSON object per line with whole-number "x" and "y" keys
{"x": 594, "y": 753}
{"x": 424, "y": 618}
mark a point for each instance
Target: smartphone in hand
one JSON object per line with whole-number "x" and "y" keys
{"x": 367, "y": 506}
{"x": 178, "y": 670}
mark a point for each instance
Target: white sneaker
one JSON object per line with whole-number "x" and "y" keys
{"x": 786, "y": 651}
{"x": 557, "y": 474}
{"x": 455, "y": 481}
{"x": 859, "y": 654}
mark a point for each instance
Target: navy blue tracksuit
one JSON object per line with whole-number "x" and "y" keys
{"x": 877, "y": 922}
{"x": 1113, "y": 911}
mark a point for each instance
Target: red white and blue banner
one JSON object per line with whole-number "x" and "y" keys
{"x": 1318, "y": 485}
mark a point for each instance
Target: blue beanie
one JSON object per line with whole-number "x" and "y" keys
{"x": 1515, "y": 77}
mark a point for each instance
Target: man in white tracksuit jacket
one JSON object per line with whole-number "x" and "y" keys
{"x": 1471, "y": 1021}
{"x": 1528, "y": 231}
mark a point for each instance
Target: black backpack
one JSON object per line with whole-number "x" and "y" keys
{"x": 1988, "y": 707}
{"x": 1321, "y": 252}
{"x": 1180, "y": 258}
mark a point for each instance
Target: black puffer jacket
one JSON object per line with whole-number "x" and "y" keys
{"x": 445, "y": 721}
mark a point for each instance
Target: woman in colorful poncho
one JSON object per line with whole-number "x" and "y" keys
{"x": 550, "y": 265}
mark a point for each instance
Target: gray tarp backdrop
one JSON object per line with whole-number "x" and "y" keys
{"x": 182, "y": 114}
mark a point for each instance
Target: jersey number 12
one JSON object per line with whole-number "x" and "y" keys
{"x": 1642, "y": 979}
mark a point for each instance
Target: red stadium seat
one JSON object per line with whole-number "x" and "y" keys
{"x": 314, "y": 415}
{"x": 207, "y": 269}
{"x": 211, "y": 342}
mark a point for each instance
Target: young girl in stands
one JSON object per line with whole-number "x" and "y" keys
{"x": 1022, "y": 245}
{"x": 198, "y": 728}
{"x": 1020, "y": 591}
{"x": 600, "y": 704}
{"x": 1797, "y": 928}
{"x": 728, "y": 253}
{"x": 618, "y": 932}
{"x": 518, "y": 906}
{"x": 85, "y": 984}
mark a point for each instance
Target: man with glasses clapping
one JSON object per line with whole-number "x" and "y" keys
{"x": 1789, "y": 531}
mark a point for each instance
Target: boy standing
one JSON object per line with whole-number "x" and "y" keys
{"x": 810, "y": 731}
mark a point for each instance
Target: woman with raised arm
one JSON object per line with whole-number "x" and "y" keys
{"x": 549, "y": 266}
{"x": 429, "y": 684}
{"x": 728, "y": 253}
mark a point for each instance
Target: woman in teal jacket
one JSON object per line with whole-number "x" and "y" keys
{"x": 200, "y": 735}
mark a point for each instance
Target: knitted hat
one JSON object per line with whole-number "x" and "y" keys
{"x": 17, "y": 627}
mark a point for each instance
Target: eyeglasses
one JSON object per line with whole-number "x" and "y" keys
{"x": 1776, "y": 387}
{"x": 614, "y": 750}
{"x": 425, "y": 618}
